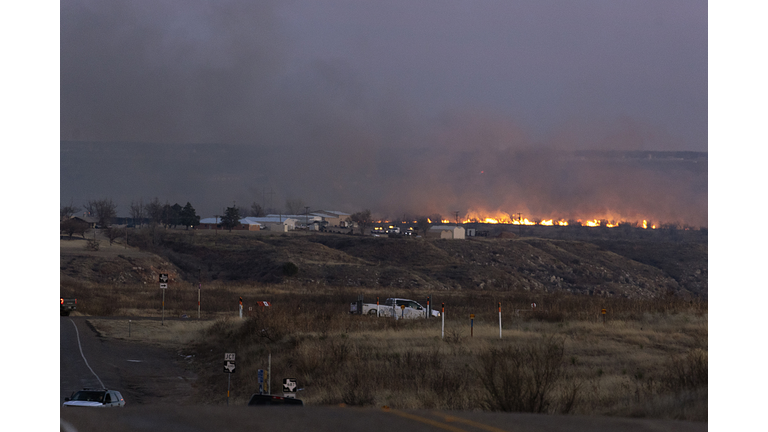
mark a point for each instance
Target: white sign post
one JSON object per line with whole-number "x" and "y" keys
{"x": 499, "y": 320}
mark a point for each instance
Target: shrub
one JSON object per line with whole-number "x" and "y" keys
{"x": 290, "y": 269}
{"x": 687, "y": 372}
{"x": 523, "y": 378}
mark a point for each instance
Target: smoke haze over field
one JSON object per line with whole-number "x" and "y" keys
{"x": 400, "y": 107}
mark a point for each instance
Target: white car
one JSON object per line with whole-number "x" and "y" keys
{"x": 99, "y": 398}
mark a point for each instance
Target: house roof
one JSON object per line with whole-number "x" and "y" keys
{"x": 249, "y": 220}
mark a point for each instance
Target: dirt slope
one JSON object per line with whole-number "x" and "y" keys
{"x": 602, "y": 267}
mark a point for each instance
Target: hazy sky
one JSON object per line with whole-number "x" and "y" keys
{"x": 371, "y": 99}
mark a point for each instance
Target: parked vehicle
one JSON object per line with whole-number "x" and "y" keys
{"x": 95, "y": 398}
{"x": 402, "y": 308}
{"x": 68, "y": 305}
{"x": 262, "y": 399}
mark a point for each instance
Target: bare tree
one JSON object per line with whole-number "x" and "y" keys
{"x": 68, "y": 211}
{"x": 257, "y": 211}
{"x": 243, "y": 211}
{"x": 294, "y": 206}
{"x": 363, "y": 219}
{"x": 423, "y": 224}
{"x": 114, "y": 232}
{"x": 74, "y": 226}
{"x": 104, "y": 209}
{"x": 154, "y": 211}
{"x": 137, "y": 211}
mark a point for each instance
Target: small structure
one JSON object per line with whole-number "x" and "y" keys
{"x": 447, "y": 232}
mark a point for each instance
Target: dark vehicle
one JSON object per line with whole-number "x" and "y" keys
{"x": 67, "y": 306}
{"x": 262, "y": 399}
{"x": 98, "y": 398}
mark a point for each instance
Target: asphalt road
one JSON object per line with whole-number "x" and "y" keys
{"x": 144, "y": 374}
{"x": 156, "y": 387}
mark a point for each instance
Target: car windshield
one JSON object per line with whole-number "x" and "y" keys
{"x": 89, "y": 396}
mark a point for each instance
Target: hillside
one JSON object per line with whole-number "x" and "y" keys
{"x": 634, "y": 269}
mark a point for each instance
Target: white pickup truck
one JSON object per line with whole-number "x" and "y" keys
{"x": 400, "y": 307}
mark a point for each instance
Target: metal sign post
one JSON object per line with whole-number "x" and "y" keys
{"x": 229, "y": 369}
{"x": 163, "y": 286}
{"x": 604, "y": 312}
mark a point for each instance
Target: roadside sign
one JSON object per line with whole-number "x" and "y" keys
{"x": 289, "y": 385}
{"x": 261, "y": 381}
{"x": 229, "y": 367}
{"x": 163, "y": 285}
{"x": 163, "y": 277}
{"x": 289, "y": 388}
{"x": 229, "y": 357}
{"x": 604, "y": 312}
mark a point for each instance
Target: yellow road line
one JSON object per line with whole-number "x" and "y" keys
{"x": 424, "y": 420}
{"x": 450, "y": 418}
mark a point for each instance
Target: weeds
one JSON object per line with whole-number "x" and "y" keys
{"x": 523, "y": 378}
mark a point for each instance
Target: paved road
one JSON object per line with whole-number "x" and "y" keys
{"x": 236, "y": 419}
{"x": 155, "y": 384}
{"x": 144, "y": 374}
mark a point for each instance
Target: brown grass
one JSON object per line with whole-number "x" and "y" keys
{"x": 648, "y": 360}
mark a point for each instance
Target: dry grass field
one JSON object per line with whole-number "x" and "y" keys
{"x": 649, "y": 358}
{"x": 646, "y": 360}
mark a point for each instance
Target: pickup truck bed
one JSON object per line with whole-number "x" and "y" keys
{"x": 392, "y": 306}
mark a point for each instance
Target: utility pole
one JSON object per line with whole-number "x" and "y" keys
{"x": 457, "y": 218}
{"x": 306, "y": 217}
{"x": 520, "y": 227}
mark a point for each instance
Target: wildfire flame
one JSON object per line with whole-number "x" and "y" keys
{"x": 500, "y": 217}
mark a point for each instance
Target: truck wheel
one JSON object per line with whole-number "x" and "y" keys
{"x": 372, "y": 312}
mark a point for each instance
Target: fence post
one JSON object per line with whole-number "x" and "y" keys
{"x": 499, "y": 320}
{"x": 442, "y": 314}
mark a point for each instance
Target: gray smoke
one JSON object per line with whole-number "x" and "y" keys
{"x": 196, "y": 101}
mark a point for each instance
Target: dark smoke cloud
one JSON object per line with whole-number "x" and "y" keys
{"x": 197, "y": 101}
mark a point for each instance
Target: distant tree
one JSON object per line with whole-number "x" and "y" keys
{"x": 104, "y": 209}
{"x": 243, "y": 211}
{"x": 175, "y": 215}
{"x": 137, "y": 211}
{"x": 257, "y": 211}
{"x": 170, "y": 215}
{"x": 154, "y": 211}
{"x": 423, "y": 224}
{"x": 231, "y": 218}
{"x": 189, "y": 217}
{"x": 73, "y": 226}
{"x": 114, "y": 232}
{"x": 294, "y": 206}
{"x": 363, "y": 219}
{"x": 68, "y": 211}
